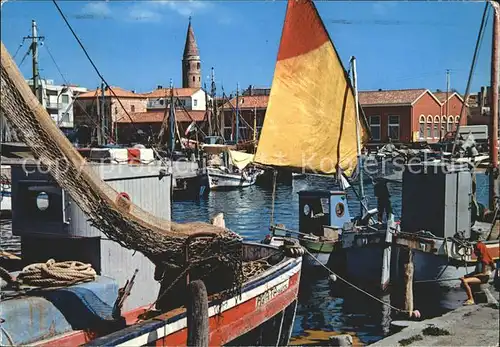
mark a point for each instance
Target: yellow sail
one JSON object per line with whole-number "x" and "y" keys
{"x": 310, "y": 122}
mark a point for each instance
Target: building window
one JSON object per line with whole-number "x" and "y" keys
{"x": 65, "y": 99}
{"x": 198, "y": 66}
{"x": 457, "y": 121}
{"x": 443, "y": 125}
{"x": 421, "y": 129}
{"x": 429, "y": 127}
{"x": 375, "y": 127}
{"x": 162, "y": 102}
{"x": 450, "y": 123}
{"x": 195, "y": 102}
{"x": 393, "y": 127}
{"x": 194, "y": 79}
{"x": 116, "y": 110}
{"x": 132, "y": 108}
{"x": 437, "y": 121}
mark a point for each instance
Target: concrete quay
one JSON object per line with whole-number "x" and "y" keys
{"x": 474, "y": 325}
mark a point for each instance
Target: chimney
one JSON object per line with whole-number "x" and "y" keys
{"x": 481, "y": 100}
{"x": 380, "y": 89}
{"x": 133, "y": 91}
{"x": 159, "y": 86}
{"x": 250, "y": 90}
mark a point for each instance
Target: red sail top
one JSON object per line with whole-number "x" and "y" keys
{"x": 303, "y": 30}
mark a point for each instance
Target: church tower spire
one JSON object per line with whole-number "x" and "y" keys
{"x": 191, "y": 63}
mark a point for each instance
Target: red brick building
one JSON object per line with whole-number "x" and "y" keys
{"x": 252, "y": 109}
{"x": 150, "y": 123}
{"x": 411, "y": 115}
{"x": 85, "y": 110}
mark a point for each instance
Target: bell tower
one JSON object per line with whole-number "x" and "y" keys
{"x": 191, "y": 63}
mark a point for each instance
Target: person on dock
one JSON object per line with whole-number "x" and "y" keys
{"x": 383, "y": 199}
{"x": 485, "y": 266}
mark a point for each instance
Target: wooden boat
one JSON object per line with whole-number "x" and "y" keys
{"x": 99, "y": 217}
{"x": 227, "y": 168}
{"x": 440, "y": 232}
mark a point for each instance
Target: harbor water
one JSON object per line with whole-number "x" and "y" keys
{"x": 320, "y": 314}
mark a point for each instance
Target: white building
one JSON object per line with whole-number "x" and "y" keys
{"x": 193, "y": 99}
{"x": 59, "y": 100}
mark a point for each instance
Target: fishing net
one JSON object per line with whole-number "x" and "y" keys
{"x": 164, "y": 242}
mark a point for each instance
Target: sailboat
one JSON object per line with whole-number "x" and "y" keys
{"x": 227, "y": 168}
{"x": 312, "y": 125}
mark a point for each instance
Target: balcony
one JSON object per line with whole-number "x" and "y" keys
{"x": 156, "y": 104}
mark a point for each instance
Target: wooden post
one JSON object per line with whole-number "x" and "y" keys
{"x": 197, "y": 315}
{"x": 218, "y": 220}
{"x": 407, "y": 258}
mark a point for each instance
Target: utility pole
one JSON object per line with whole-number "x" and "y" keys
{"x": 37, "y": 90}
{"x": 495, "y": 61}
{"x": 237, "y": 137}
{"x": 447, "y": 96}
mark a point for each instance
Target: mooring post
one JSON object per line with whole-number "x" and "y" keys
{"x": 407, "y": 258}
{"x": 197, "y": 314}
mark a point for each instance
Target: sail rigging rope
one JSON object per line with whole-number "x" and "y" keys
{"x": 354, "y": 286}
{"x": 93, "y": 64}
{"x": 479, "y": 40}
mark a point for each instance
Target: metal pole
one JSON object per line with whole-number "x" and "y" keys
{"x": 495, "y": 58}
{"x": 172, "y": 117}
{"x": 34, "y": 50}
{"x": 358, "y": 129}
{"x": 447, "y": 96}
{"x": 98, "y": 109}
{"x": 237, "y": 114}
{"x": 103, "y": 117}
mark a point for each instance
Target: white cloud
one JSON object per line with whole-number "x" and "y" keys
{"x": 382, "y": 8}
{"x": 185, "y": 8}
{"x": 95, "y": 10}
{"x": 143, "y": 14}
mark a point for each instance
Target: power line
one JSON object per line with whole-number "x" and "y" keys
{"x": 79, "y": 103}
{"x": 93, "y": 65}
{"x": 482, "y": 27}
{"x": 18, "y": 48}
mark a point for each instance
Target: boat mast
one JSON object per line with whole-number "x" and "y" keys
{"x": 495, "y": 58}
{"x": 212, "y": 95}
{"x": 172, "y": 117}
{"x": 237, "y": 137}
{"x": 102, "y": 131}
{"x": 358, "y": 127}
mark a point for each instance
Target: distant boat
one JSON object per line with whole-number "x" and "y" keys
{"x": 228, "y": 168}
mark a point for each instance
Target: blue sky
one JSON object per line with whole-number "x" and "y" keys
{"x": 138, "y": 45}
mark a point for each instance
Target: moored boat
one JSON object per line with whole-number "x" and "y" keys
{"x": 227, "y": 168}
{"x": 441, "y": 232}
{"x": 97, "y": 217}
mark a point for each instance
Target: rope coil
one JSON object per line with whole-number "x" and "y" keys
{"x": 54, "y": 274}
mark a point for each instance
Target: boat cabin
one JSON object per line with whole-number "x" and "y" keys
{"x": 437, "y": 199}
{"x": 323, "y": 212}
